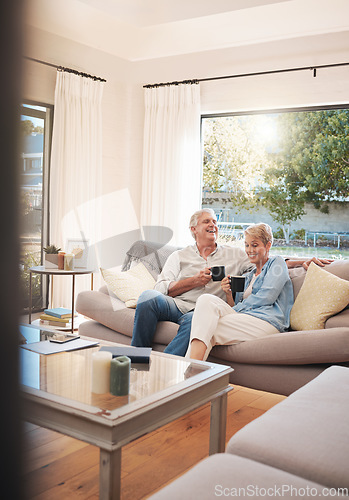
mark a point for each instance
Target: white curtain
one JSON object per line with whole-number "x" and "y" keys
{"x": 171, "y": 184}
{"x": 76, "y": 163}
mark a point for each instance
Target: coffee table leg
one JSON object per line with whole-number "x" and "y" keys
{"x": 218, "y": 424}
{"x": 110, "y": 474}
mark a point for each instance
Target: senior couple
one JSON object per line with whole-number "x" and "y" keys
{"x": 205, "y": 310}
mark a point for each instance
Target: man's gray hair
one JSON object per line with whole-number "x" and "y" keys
{"x": 195, "y": 217}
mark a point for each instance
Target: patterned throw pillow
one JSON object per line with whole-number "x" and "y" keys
{"x": 322, "y": 295}
{"x": 128, "y": 285}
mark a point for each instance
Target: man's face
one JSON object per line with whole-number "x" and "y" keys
{"x": 206, "y": 230}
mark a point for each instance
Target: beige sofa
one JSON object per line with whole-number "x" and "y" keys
{"x": 299, "y": 448}
{"x": 280, "y": 363}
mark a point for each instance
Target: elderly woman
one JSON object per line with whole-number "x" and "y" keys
{"x": 262, "y": 309}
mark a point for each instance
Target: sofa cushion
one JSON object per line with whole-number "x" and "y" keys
{"x": 95, "y": 330}
{"x": 279, "y": 379}
{"x": 128, "y": 285}
{"x": 290, "y": 348}
{"x": 229, "y": 476}
{"x": 112, "y": 313}
{"x": 322, "y": 295}
{"x": 307, "y": 434}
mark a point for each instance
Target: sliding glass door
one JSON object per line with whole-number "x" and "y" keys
{"x": 34, "y": 180}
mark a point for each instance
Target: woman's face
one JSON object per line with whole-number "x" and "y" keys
{"x": 257, "y": 252}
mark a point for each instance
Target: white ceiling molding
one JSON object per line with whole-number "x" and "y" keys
{"x": 144, "y": 13}
{"x": 137, "y": 30}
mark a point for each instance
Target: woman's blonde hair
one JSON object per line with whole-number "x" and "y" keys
{"x": 261, "y": 231}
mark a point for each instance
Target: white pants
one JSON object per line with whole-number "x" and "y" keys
{"x": 215, "y": 322}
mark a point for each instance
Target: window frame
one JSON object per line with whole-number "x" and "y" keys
{"x": 275, "y": 111}
{"x": 262, "y": 112}
{"x": 27, "y": 108}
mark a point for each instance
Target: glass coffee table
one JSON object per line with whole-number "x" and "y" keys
{"x": 56, "y": 394}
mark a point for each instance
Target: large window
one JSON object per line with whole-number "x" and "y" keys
{"x": 34, "y": 160}
{"x": 287, "y": 168}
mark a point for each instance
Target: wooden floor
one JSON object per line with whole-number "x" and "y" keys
{"x": 58, "y": 467}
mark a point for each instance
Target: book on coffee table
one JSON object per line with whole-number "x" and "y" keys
{"x": 59, "y": 312}
{"x": 136, "y": 354}
{"x": 47, "y": 347}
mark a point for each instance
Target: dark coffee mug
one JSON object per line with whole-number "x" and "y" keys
{"x": 217, "y": 273}
{"x": 237, "y": 283}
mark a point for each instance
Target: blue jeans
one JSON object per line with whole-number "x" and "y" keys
{"x": 154, "y": 306}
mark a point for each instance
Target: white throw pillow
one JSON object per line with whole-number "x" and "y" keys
{"x": 128, "y": 285}
{"x": 322, "y": 295}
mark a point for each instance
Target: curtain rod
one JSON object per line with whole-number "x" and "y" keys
{"x": 67, "y": 70}
{"x": 241, "y": 75}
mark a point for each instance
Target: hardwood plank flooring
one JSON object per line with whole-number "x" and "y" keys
{"x": 57, "y": 467}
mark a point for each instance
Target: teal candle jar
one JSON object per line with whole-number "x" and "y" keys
{"x": 120, "y": 368}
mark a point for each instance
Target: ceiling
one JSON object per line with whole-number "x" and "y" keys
{"x": 137, "y": 30}
{"x": 143, "y": 13}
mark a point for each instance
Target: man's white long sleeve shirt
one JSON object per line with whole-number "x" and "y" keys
{"x": 187, "y": 262}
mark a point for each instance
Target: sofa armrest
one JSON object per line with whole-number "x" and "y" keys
{"x": 304, "y": 434}
{"x": 224, "y": 473}
{"x": 104, "y": 289}
{"x": 107, "y": 310}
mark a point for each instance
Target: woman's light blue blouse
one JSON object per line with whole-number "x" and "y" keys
{"x": 272, "y": 294}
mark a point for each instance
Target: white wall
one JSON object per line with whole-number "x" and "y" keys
{"x": 122, "y": 110}
{"x": 331, "y": 86}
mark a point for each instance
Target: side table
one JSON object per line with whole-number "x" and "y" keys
{"x": 54, "y": 272}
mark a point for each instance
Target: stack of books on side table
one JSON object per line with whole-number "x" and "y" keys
{"x": 59, "y": 317}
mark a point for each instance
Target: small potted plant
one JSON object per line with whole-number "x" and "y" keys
{"x": 51, "y": 256}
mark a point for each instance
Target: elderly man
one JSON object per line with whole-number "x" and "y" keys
{"x": 186, "y": 275}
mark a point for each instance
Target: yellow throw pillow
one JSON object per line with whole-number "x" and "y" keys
{"x": 128, "y": 285}
{"x": 322, "y": 295}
